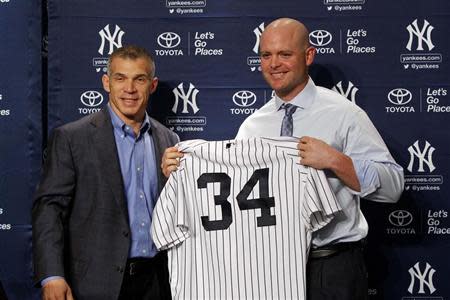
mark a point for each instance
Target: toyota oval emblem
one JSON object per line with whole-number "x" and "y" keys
{"x": 400, "y": 218}
{"x": 399, "y": 96}
{"x": 169, "y": 40}
{"x": 244, "y": 98}
{"x": 320, "y": 38}
{"x": 91, "y": 98}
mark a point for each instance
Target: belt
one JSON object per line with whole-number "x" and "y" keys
{"x": 143, "y": 265}
{"x": 332, "y": 249}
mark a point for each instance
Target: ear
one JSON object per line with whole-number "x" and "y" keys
{"x": 310, "y": 54}
{"x": 154, "y": 85}
{"x": 105, "y": 81}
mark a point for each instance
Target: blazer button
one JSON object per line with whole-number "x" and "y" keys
{"x": 119, "y": 269}
{"x": 125, "y": 233}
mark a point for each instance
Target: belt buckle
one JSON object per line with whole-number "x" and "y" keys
{"x": 132, "y": 268}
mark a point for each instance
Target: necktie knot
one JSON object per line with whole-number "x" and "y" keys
{"x": 289, "y": 109}
{"x": 287, "y": 124}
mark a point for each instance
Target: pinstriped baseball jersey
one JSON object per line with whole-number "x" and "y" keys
{"x": 237, "y": 218}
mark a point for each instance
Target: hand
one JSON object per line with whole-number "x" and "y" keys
{"x": 170, "y": 160}
{"x": 319, "y": 155}
{"x": 56, "y": 289}
{"x": 316, "y": 153}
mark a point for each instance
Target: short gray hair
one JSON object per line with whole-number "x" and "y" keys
{"x": 132, "y": 52}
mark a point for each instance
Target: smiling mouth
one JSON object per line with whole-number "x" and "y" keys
{"x": 278, "y": 75}
{"x": 129, "y": 101}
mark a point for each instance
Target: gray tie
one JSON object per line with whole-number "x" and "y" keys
{"x": 286, "y": 125}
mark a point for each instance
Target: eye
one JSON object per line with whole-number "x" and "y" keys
{"x": 265, "y": 55}
{"x": 286, "y": 54}
{"x": 141, "y": 79}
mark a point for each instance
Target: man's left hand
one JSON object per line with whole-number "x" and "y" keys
{"x": 319, "y": 155}
{"x": 316, "y": 153}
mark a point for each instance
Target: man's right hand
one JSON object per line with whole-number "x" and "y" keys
{"x": 56, "y": 289}
{"x": 170, "y": 160}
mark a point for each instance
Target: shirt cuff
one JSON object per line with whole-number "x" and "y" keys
{"x": 44, "y": 281}
{"x": 367, "y": 175}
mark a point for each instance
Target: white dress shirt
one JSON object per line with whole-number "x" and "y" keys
{"x": 330, "y": 117}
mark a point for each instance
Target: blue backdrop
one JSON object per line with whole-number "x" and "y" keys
{"x": 389, "y": 57}
{"x": 21, "y": 139}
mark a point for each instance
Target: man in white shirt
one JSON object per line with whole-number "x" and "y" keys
{"x": 336, "y": 136}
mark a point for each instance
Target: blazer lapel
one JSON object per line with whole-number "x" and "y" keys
{"x": 159, "y": 149}
{"x": 105, "y": 145}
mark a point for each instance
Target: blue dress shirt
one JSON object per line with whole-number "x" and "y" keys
{"x": 138, "y": 166}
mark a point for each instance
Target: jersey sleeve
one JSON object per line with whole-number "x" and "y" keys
{"x": 170, "y": 223}
{"x": 320, "y": 205}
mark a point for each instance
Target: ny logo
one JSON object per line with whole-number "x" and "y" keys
{"x": 114, "y": 39}
{"x": 415, "y": 152}
{"x": 350, "y": 93}
{"x": 258, "y": 31}
{"x": 191, "y": 94}
{"x": 416, "y": 273}
{"x": 414, "y": 30}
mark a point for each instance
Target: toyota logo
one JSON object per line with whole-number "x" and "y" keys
{"x": 91, "y": 98}
{"x": 400, "y": 218}
{"x": 320, "y": 38}
{"x": 399, "y": 96}
{"x": 244, "y": 98}
{"x": 169, "y": 40}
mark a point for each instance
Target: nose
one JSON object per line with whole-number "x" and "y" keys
{"x": 129, "y": 86}
{"x": 274, "y": 61}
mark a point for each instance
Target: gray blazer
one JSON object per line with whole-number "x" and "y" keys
{"x": 80, "y": 217}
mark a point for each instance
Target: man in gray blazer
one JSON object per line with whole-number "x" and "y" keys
{"x": 92, "y": 209}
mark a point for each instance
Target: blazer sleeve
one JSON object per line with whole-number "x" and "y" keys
{"x": 163, "y": 138}
{"x": 51, "y": 207}
{"x": 174, "y": 138}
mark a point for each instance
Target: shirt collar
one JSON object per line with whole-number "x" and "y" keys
{"x": 120, "y": 125}
{"x": 304, "y": 99}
